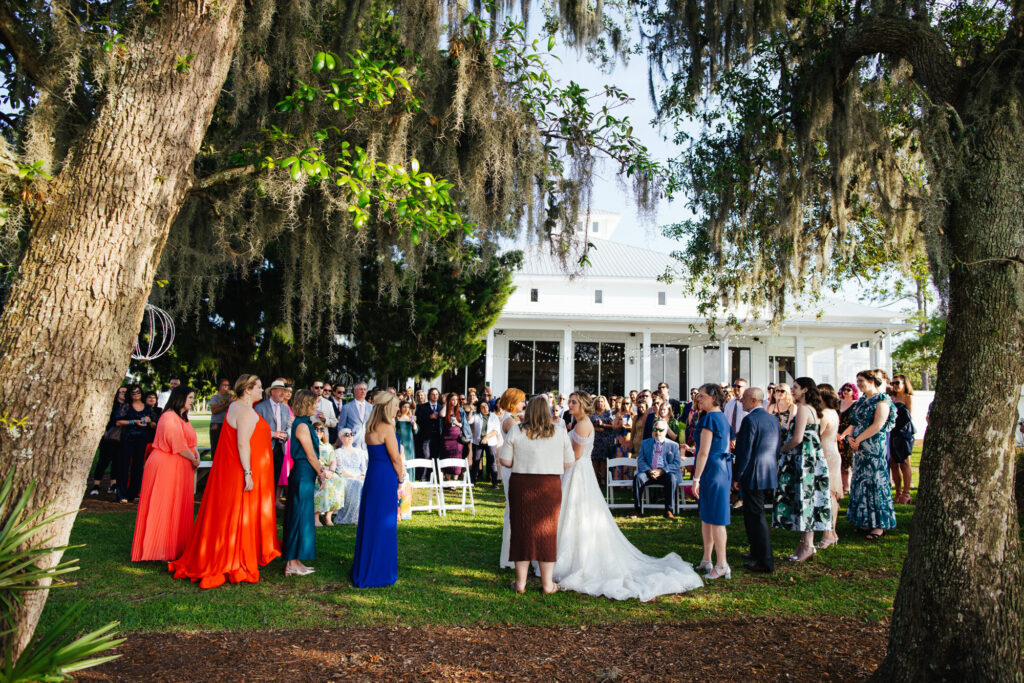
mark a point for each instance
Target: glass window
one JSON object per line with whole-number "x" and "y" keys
{"x": 661, "y": 298}
{"x": 613, "y": 369}
{"x": 598, "y": 296}
{"x": 587, "y": 366}
{"x": 596, "y": 226}
{"x": 520, "y": 365}
{"x": 533, "y": 295}
{"x": 740, "y": 364}
{"x": 545, "y": 367}
{"x": 668, "y": 364}
{"x": 782, "y": 369}
{"x": 600, "y": 368}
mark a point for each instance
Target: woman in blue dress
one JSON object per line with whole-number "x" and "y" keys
{"x": 872, "y": 417}
{"x": 375, "y": 561}
{"x": 713, "y": 478}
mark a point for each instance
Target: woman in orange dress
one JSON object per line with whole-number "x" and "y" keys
{"x": 163, "y": 525}
{"x": 236, "y": 530}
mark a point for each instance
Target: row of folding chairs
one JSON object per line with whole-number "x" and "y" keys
{"x": 682, "y": 497}
{"x": 436, "y": 485}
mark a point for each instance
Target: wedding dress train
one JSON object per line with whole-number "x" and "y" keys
{"x": 594, "y": 556}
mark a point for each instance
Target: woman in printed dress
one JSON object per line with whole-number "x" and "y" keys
{"x": 803, "y": 501}
{"x": 871, "y": 508}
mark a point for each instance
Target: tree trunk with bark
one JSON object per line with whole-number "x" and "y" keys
{"x": 958, "y": 611}
{"x": 68, "y": 330}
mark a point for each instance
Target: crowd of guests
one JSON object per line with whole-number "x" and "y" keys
{"x": 323, "y": 458}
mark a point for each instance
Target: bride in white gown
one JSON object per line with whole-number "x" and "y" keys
{"x": 593, "y": 555}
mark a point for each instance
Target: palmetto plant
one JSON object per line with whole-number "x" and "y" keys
{"x": 52, "y": 655}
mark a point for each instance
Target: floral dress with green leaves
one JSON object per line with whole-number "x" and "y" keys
{"x": 871, "y": 505}
{"x": 802, "y": 499}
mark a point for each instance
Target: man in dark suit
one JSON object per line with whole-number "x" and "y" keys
{"x": 755, "y": 472}
{"x": 337, "y": 394}
{"x": 428, "y": 419}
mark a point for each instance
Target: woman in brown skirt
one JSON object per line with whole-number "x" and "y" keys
{"x": 537, "y": 452}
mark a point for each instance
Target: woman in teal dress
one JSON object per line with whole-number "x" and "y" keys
{"x": 802, "y": 500}
{"x": 405, "y": 427}
{"x": 872, "y": 417}
{"x": 299, "y": 529}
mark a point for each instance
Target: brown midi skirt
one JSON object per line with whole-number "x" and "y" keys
{"x": 534, "y": 501}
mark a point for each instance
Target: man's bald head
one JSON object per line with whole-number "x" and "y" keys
{"x": 753, "y": 397}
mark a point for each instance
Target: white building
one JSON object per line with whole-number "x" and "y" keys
{"x": 616, "y": 327}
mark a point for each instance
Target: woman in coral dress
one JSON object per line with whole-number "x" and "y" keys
{"x": 236, "y": 530}
{"x": 163, "y": 525}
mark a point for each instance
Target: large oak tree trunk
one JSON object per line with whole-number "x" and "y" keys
{"x": 958, "y": 611}
{"x": 67, "y": 332}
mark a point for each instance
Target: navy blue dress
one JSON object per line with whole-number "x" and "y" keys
{"x": 375, "y": 561}
{"x": 716, "y": 479}
{"x": 299, "y": 526}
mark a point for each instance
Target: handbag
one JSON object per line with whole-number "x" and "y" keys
{"x": 114, "y": 433}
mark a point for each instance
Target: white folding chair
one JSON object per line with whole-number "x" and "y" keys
{"x": 462, "y": 483}
{"x": 646, "y": 500}
{"x": 612, "y": 484}
{"x": 431, "y": 485}
{"x": 682, "y": 501}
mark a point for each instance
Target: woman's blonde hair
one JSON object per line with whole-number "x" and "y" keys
{"x": 304, "y": 402}
{"x": 586, "y": 401}
{"x": 385, "y": 406}
{"x": 537, "y": 421}
{"x": 243, "y": 384}
{"x": 511, "y": 399}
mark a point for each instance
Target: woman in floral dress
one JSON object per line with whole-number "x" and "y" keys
{"x": 802, "y": 500}
{"x": 871, "y": 506}
{"x": 330, "y": 493}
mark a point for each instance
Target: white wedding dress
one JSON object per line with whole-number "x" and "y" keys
{"x": 593, "y": 555}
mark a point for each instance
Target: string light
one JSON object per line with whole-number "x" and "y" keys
{"x": 158, "y": 333}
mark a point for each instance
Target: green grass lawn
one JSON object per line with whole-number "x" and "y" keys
{"x": 448, "y": 575}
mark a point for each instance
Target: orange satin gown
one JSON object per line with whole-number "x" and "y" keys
{"x": 163, "y": 525}
{"x": 236, "y": 530}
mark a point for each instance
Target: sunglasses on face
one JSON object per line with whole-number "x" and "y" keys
{"x": 657, "y": 430}
{"x": 780, "y": 391}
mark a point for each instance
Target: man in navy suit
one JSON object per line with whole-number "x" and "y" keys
{"x": 428, "y": 419}
{"x": 658, "y": 463}
{"x": 755, "y": 472}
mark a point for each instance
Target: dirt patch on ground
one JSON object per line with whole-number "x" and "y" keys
{"x": 748, "y": 649}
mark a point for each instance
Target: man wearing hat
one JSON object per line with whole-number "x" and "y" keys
{"x": 279, "y": 417}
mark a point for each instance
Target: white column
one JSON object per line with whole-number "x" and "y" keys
{"x": 887, "y": 362}
{"x": 489, "y": 360}
{"x": 835, "y": 367}
{"x": 694, "y": 369}
{"x": 724, "y": 361}
{"x": 799, "y": 356}
{"x": 566, "y": 368}
{"x": 873, "y": 353}
{"x": 645, "y": 359}
{"x": 759, "y": 370}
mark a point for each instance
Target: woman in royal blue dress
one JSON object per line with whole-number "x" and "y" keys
{"x": 375, "y": 561}
{"x": 712, "y": 479}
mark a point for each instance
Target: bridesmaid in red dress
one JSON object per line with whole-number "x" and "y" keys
{"x": 163, "y": 525}
{"x": 236, "y": 530}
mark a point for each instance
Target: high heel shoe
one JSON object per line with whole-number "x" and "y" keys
{"x": 705, "y": 566}
{"x": 795, "y": 557}
{"x": 305, "y": 571}
{"x": 827, "y": 544}
{"x": 727, "y": 573}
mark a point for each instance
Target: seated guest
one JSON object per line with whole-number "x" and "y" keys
{"x": 299, "y": 533}
{"x": 163, "y": 525}
{"x": 330, "y": 493}
{"x": 755, "y": 474}
{"x": 659, "y": 464}
{"x": 538, "y": 453}
{"x": 350, "y": 463}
